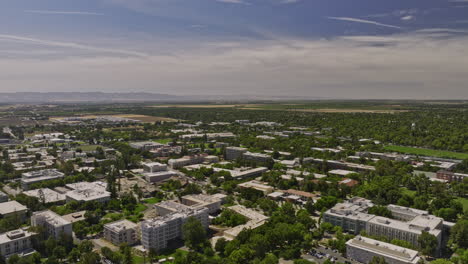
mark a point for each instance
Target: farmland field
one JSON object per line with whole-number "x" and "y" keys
{"x": 427, "y": 152}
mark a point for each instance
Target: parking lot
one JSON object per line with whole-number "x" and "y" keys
{"x": 321, "y": 254}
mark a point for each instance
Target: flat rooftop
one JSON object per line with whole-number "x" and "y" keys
{"x": 120, "y": 225}
{"x": 11, "y": 207}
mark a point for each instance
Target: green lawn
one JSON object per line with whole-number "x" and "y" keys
{"x": 163, "y": 140}
{"x": 427, "y": 152}
{"x": 89, "y": 147}
{"x": 408, "y": 192}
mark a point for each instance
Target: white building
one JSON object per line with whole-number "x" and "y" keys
{"x": 154, "y": 167}
{"x": 53, "y": 223}
{"x": 212, "y": 202}
{"x": 88, "y": 191}
{"x": 16, "y": 242}
{"x": 363, "y": 249}
{"x": 257, "y": 185}
{"x": 153, "y": 177}
{"x": 187, "y": 160}
{"x": 233, "y": 153}
{"x": 46, "y": 195}
{"x": 156, "y": 233}
{"x": 122, "y": 231}
{"x": 32, "y": 177}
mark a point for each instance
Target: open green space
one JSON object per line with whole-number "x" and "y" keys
{"x": 152, "y": 200}
{"x": 427, "y": 152}
{"x": 163, "y": 140}
{"x": 89, "y": 147}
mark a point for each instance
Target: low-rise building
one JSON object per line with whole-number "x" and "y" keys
{"x": 32, "y": 177}
{"x": 257, "y": 185}
{"x": 187, "y": 160}
{"x": 256, "y": 219}
{"x": 122, "y": 231}
{"x": 13, "y": 209}
{"x": 54, "y": 224}
{"x": 451, "y": 176}
{"x": 46, "y": 195}
{"x": 88, "y": 191}
{"x": 145, "y": 145}
{"x": 154, "y": 167}
{"x": 16, "y": 242}
{"x": 363, "y": 249}
{"x": 3, "y": 197}
{"x": 212, "y": 202}
{"x": 233, "y": 153}
{"x": 256, "y": 157}
{"x": 153, "y": 177}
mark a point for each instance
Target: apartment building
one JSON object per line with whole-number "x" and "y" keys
{"x": 233, "y": 153}
{"x": 16, "y": 242}
{"x": 54, "y": 224}
{"x": 212, "y": 202}
{"x": 32, "y": 177}
{"x": 122, "y": 231}
{"x": 407, "y": 223}
{"x": 363, "y": 249}
{"x": 157, "y": 232}
{"x": 257, "y": 185}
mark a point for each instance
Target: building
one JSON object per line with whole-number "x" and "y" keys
{"x": 348, "y": 182}
{"x": 153, "y": 177}
{"x": 88, "y": 191}
{"x": 341, "y": 173}
{"x": 157, "y": 232}
{"x": 450, "y": 176}
{"x": 256, "y": 157}
{"x": 154, "y": 167}
{"x": 32, "y": 177}
{"x": 212, "y": 202}
{"x": 122, "y": 231}
{"x": 3, "y": 197}
{"x": 407, "y": 223}
{"x": 46, "y": 195}
{"x": 233, "y": 153}
{"x": 256, "y": 219}
{"x": 16, "y": 242}
{"x": 257, "y": 185}
{"x": 187, "y": 160}
{"x": 54, "y": 224}
{"x": 363, "y": 249}
{"x": 13, "y": 209}
{"x": 146, "y": 145}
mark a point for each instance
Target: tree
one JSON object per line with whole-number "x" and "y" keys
{"x": 221, "y": 245}
{"x": 459, "y": 233}
{"x": 194, "y": 233}
{"x": 270, "y": 259}
{"x": 377, "y": 260}
{"x": 427, "y": 243}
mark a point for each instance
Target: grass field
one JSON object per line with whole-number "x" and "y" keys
{"x": 89, "y": 147}
{"x": 152, "y": 200}
{"x": 163, "y": 140}
{"x": 427, "y": 152}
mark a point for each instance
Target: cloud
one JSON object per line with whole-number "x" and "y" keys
{"x": 231, "y": 1}
{"x": 404, "y": 65}
{"x": 72, "y": 45}
{"x": 51, "y": 12}
{"x": 406, "y": 18}
{"x": 357, "y": 20}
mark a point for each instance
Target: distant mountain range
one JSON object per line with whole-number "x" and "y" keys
{"x": 97, "y": 97}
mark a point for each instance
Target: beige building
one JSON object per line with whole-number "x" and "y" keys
{"x": 13, "y": 209}
{"x": 122, "y": 231}
{"x": 363, "y": 249}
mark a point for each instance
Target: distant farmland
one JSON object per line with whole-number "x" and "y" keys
{"x": 427, "y": 152}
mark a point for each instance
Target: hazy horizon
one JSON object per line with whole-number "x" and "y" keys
{"x": 323, "y": 49}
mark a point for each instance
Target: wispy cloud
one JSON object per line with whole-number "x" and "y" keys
{"x": 52, "y": 12}
{"x": 406, "y": 18}
{"x": 364, "y": 21}
{"x": 72, "y": 45}
{"x": 231, "y": 1}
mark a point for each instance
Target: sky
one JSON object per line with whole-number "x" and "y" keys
{"x": 350, "y": 49}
